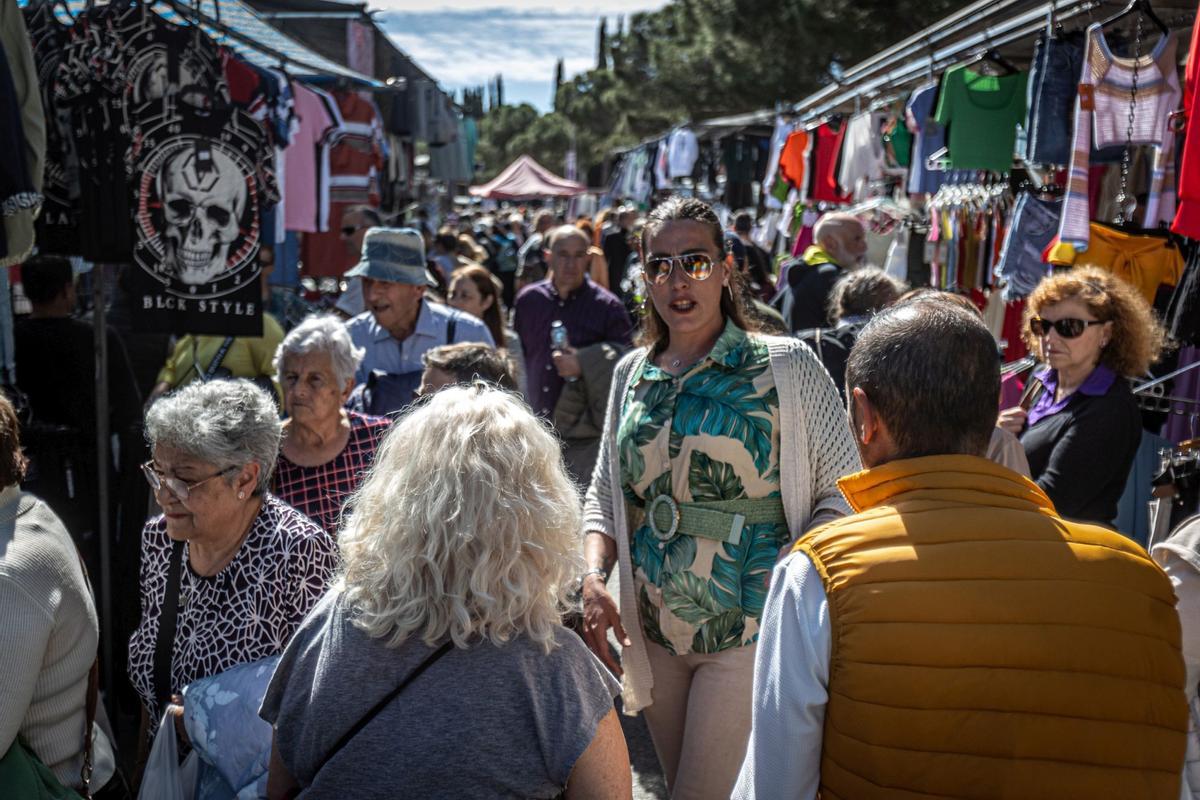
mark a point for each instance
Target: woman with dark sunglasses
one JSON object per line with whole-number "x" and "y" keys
{"x": 722, "y": 446}
{"x": 1094, "y": 332}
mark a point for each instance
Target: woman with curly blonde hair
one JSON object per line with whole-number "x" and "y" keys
{"x": 1094, "y": 332}
{"x": 436, "y": 666}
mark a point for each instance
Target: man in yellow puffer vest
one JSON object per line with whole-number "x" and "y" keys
{"x": 956, "y": 638}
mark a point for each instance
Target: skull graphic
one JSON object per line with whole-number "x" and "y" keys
{"x": 204, "y": 195}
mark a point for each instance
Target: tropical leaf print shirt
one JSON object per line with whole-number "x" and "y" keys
{"x": 708, "y": 434}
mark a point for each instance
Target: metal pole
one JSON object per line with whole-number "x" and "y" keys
{"x": 103, "y": 459}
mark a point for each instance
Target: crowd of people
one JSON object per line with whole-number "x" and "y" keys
{"x": 526, "y": 472}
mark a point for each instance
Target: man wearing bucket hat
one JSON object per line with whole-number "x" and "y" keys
{"x": 400, "y": 324}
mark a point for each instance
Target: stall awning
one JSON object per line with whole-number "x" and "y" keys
{"x": 233, "y": 24}
{"x": 525, "y": 179}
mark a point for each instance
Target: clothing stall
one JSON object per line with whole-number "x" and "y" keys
{"x": 1004, "y": 143}
{"x": 162, "y": 145}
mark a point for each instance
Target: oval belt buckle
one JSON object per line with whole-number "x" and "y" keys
{"x": 670, "y": 501}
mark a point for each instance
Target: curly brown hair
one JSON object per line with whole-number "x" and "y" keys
{"x": 1137, "y": 336}
{"x": 12, "y": 460}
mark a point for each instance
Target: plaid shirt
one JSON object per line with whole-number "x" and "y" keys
{"x": 320, "y": 492}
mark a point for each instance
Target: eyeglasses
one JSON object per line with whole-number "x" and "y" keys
{"x": 697, "y": 266}
{"x": 1069, "y": 328}
{"x": 175, "y": 486}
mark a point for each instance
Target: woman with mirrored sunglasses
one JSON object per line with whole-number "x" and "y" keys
{"x": 722, "y": 446}
{"x": 1094, "y": 332}
{"x": 240, "y": 567}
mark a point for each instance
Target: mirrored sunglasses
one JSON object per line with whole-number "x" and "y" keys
{"x": 697, "y": 266}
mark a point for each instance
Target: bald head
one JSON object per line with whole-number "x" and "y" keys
{"x": 843, "y": 237}
{"x": 562, "y": 233}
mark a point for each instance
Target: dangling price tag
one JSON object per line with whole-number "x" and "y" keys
{"x": 1087, "y": 97}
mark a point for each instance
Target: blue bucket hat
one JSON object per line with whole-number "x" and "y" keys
{"x": 393, "y": 254}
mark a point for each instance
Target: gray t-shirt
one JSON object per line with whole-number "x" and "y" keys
{"x": 483, "y": 722}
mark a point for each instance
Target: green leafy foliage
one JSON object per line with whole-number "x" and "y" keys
{"x": 697, "y": 59}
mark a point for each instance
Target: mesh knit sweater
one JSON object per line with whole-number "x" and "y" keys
{"x": 48, "y": 636}
{"x": 1158, "y": 95}
{"x": 816, "y": 450}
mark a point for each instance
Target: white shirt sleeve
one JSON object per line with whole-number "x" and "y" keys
{"x": 791, "y": 680}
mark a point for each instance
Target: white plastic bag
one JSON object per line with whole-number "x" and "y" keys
{"x": 165, "y": 778}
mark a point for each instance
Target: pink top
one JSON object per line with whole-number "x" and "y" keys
{"x": 301, "y": 157}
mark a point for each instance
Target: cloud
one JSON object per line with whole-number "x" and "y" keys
{"x": 468, "y": 42}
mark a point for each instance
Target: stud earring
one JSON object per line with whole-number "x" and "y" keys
{"x": 241, "y": 495}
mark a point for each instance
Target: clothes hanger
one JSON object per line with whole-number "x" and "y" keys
{"x": 992, "y": 56}
{"x": 1138, "y": 7}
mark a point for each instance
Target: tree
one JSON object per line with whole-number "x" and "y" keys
{"x": 697, "y": 59}
{"x": 558, "y": 81}
{"x": 602, "y": 45}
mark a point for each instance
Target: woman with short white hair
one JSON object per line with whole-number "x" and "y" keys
{"x": 437, "y": 667}
{"x": 228, "y": 571}
{"x": 326, "y": 449}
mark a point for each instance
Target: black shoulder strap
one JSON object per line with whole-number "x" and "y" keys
{"x": 164, "y": 643}
{"x": 451, "y": 329}
{"x": 215, "y": 364}
{"x": 357, "y": 727}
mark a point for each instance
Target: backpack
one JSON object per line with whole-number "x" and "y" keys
{"x": 832, "y": 346}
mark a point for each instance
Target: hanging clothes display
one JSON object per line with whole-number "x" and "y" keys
{"x": 57, "y": 226}
{"x": 982, "y": 113}
{"x": 305, "y": 159}
{"x": 822, "y": 183}
{"x": 200, "y": 181}
{"x": 1053, "y": 85}
{"x": 862, "y": 157}
{"x": 929, "y": 136}
{"x": 682, "y": 151}
{"x": 23, "y": 192}
{"x": 163, "y": 151}
{"x": 1033, "y": 224}
{"x": 1105, "y": 114}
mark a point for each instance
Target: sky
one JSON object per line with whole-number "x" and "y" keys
{"x": 465, "y": 43}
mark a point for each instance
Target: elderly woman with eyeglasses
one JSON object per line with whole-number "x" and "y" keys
{"x": 1081, "y": 426}
{"x": 228, "y": 570}
{"x": 326, "y": 449}
{"x": 722, "y": 447}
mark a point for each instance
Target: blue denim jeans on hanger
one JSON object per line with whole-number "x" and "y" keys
{"x": 1053, "y": 85}
{"x": 1034, "y": 223}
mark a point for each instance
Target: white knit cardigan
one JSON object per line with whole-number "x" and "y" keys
{"x": 816, "y": 449}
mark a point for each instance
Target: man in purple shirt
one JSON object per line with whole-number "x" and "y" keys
{"x": 598, "y": 329}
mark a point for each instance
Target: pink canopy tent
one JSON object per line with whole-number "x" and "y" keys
{"x": 526, "y": 179}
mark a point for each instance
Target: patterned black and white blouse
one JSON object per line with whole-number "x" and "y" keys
{"x": 247, "y": 611}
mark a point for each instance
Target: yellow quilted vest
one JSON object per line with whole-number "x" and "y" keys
{"x": 985, "y": 648}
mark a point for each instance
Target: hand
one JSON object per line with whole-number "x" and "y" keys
{"x": 599, "y": 614}
{"x": 1012, "y": 420}
{"x": 567, "y": 363}
{"x": 175, "y": 708}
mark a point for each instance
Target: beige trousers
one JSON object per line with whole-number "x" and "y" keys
{"x": 700, "y": 718}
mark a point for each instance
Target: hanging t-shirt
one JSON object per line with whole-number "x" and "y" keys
{"x": 862, "y": 153}
{"x": 57, "y": 226}
{"x": 200, "y": 180}
{"x": 982, "y": 112}
{"x": 793, "y": 160}
{"x": 302, "y": 159}
{"x": 682, "y": 151}
{"x": 823, "y": 183}
{"x": 929, "y": 136}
